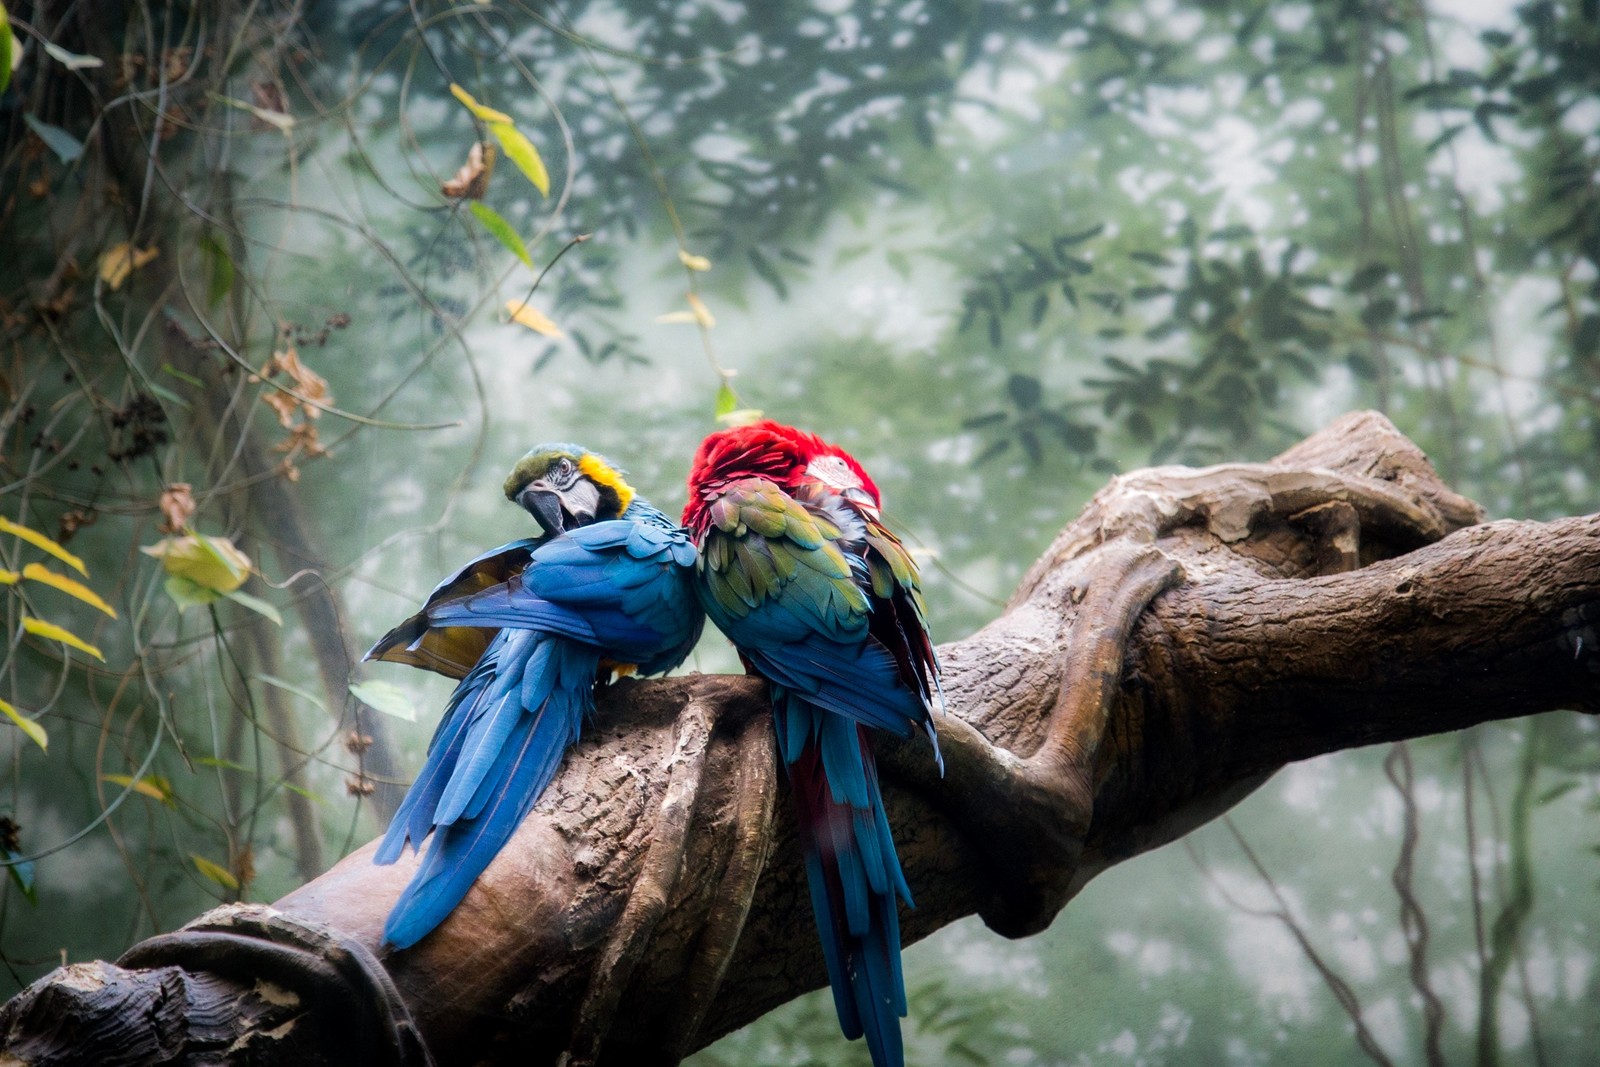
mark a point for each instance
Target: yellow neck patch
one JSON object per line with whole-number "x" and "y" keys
{"x": 597, "y": 472}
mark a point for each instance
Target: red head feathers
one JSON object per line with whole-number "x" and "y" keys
{"x": 781, "y": 454}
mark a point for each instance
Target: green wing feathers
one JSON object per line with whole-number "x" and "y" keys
{"x": 767, "y": 552}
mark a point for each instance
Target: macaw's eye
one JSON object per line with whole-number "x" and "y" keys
{"x": 561, "y": 471}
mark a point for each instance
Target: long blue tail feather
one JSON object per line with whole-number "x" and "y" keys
{"x": 852, "y": 869}
{"x": 496, "y": 750}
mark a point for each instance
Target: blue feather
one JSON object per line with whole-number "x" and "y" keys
{"x": 619, "y": 591}
{"x": 852, "y": 868}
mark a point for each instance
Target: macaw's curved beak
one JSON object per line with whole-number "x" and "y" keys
{"x": 544, "y": 505}
{"x": 560, "y": 510}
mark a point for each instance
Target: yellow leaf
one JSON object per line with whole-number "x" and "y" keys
{"x": 50, "y": 631}
{"x": 27, "y": 725}
{"x": 151, "y": 785}
{"x": 121, "y": 260}
{"x": 527, "y": 315}
{"x": 8, "y": 577}
{"x": 217, "y": 873}
{"x": 487, "y": 114}
{"x": 520, "y": 151}
{"x": 702, "y": 314}
{"x": 38, "y": 572}
{"x": 676, "y": 318}
{"x": 692, "y": 261}
{"x": 39, "y": 540}
{"x": 209, "y": 562}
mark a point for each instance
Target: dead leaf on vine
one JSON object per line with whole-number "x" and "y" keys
{"x": 177, "y": 507}
{"x": 472, "y": 180}
{"x": 302, "y": 441}
{"x": 309, "y": 387}
{"x": 284, "y": 405}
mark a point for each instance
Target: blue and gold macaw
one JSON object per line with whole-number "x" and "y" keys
{"x": 529, "y": 628}
{"x": 822, "y": 600}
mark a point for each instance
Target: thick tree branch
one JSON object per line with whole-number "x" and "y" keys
{"x": 1187, "y": 635}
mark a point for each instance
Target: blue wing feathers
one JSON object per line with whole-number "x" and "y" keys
{"x": 619, "y": 591}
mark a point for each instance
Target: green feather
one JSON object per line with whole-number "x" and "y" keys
{"x": 882, "y": 573}
{"x": 755, "y": 559}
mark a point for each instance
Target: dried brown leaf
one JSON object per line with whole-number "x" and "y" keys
{"x": 472, "y": 180}
{"x": 177, "y": 507}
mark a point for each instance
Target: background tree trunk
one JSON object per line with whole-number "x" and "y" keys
{"x": 1187, "y": 635}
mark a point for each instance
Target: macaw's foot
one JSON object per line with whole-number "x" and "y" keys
{"x": 662, "y": 870}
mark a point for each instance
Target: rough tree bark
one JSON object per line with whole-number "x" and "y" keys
{"x": 1188, "y": 634}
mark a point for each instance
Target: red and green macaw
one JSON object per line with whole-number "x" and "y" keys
{"x": 529, "y": 628}
{"x": 797, "y": 568}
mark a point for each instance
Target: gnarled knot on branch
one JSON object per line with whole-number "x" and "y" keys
{"x": 1189, "y": 633}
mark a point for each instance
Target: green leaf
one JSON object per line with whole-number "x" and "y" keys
{"x": 182, "y": 376}
{"x": 66, "y": 147}
{"x": 1557, "y": 791}
{"x": 1361, "y": 365}
{"x": 500, "y": 230}
{"x": 34, "y": 731}
{"x": 169, "y": 396}
{"x": 385, "y": 697}
{"x": 520, "y": 151}
{"x": 22, "y": 875}
{"x": 1079, "y": 237}
{"x": 217, "y": 873}
{"x": 290, "y": 687}
{"x": 315, "y": 798}
{"x": 727, "y": 399}
{"x": 219, "y": 268}
{"x": 1379, "y": 313}
{"x": 1025, "y": 391}
{"x": 187, "y": 593}
{"x": 71, "y": 60}
{"x": 769, "y": 274}
{"x": 6, "y": 41}
{"x": 1367, "y": 277}
{"x": 1586, "y": 339}
{"x": 257, "y": 605}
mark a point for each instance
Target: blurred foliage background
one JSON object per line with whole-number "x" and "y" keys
{"x": 259, "y": 293}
